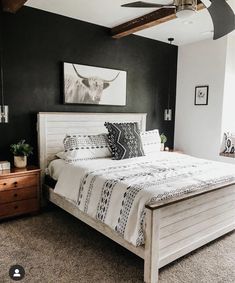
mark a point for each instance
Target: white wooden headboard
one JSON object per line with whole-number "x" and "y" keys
{"x": 53, "y": 126}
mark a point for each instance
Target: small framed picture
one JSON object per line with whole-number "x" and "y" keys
{"x": 201, "y": 95}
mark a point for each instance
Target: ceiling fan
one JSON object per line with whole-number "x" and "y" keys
{"x": 222, "y": 15}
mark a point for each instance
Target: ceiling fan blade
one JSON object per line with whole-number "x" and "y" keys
{"x": 223, "y": 18}
{"x": 141, "y": 4}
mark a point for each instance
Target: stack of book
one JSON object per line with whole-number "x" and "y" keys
{"x": 5, "y": 165}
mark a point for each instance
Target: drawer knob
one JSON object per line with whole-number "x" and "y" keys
{"x": 15, "y": 183}
{"x": 16, "y": 206}
{"x": 4, "y": 184}
{"x": 15, "y": 195}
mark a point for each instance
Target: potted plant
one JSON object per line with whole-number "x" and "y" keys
{"x": 21, "y": 151}
{"x": 163, "y": 141}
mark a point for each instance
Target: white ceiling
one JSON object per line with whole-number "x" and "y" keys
{"x": 109, "y": 13}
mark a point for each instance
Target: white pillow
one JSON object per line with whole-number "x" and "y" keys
{"x": 61, "y": 155}
{"x": 151, "y": 141}
{"x": 78, "y": 147}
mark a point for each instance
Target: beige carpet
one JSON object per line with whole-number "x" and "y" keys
{"x": 54, "y": 247}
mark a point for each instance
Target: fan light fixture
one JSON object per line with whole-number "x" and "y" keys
{"x": 221, "y": 13}
{"x": 185, "y": 8}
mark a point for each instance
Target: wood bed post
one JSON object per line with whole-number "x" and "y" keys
{"x": 151, "y": 258}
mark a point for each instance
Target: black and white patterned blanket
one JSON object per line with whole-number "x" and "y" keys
{"x": 116, "y": 192}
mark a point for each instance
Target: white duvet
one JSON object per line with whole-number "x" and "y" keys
{"x": 116, "y": 192}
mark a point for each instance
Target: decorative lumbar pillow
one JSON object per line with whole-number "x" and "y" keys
{"x": 77, "y": 147}
{"x": 229, "y": 143}
{"x": 124, "y": 140}
{"x": 151, "y": 141}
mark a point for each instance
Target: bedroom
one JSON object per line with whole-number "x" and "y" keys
{"x": 149, "y": 75}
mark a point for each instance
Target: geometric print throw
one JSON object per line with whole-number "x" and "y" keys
{"x": 124, "y": 140}
{"x": 116, "y": 192}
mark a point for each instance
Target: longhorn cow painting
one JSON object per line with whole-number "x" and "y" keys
{"x": 94, "y": 85}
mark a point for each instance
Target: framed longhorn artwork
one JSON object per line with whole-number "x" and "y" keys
{"x": 94, "y": 85}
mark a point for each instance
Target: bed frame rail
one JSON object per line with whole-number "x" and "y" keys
{"x": 71, "y": 208}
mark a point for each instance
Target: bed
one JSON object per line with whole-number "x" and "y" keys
{"x": 200, "y": 216}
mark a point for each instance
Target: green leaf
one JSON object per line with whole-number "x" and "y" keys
{"x": 21, "y": 148}
{"x": 163, "y": 138}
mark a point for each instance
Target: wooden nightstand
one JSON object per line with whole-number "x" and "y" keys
{"x": 19, "y": 191}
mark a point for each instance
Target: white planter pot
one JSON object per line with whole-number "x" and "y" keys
{"x": 162, "y": 146}
{"x": 20, "y": 161}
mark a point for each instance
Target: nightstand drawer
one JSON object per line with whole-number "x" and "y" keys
{"x": 19, "y": 194}
{"x": 18, "y": 182}
{"x": 18, "y": 207}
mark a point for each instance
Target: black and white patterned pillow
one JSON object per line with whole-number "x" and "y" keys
{"x": 124, "y": 140}
{"x": 229, "y": 143}
{"x": 77, "y": 147}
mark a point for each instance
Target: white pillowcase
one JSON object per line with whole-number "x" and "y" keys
{"x": 61, "y": 155}
{"x": 151, "y": 141}
{"x": 79, "y": 147}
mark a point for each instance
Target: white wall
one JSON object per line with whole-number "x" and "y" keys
{"x": 228, "y": 116}
{"x": 198, "y": 128}
{"x": 228, "y": 121}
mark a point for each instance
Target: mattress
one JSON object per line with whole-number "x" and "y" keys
{"x": 55, "y": 168}
{"x": 115, "y": 192}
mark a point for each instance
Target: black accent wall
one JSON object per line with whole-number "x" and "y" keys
{"x": 35, "y": 45}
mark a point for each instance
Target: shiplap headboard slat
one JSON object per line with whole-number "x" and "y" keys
{"x": 53, "y": 126}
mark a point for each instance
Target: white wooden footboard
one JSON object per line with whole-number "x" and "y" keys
{"x": 175, "y": 229}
